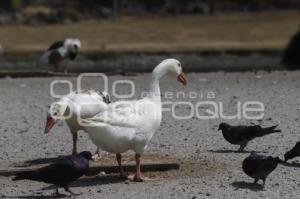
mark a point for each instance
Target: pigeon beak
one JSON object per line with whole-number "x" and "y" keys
{"x": 50, "y": 123}
{"x": 181, "y": 78}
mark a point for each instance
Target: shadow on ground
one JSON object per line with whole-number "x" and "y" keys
{"x": 44, "y": 160}
{"x": 83, "y": 182}
{"x": 233, "y": 151}
{"x": 38, "y": 196}
{"x": 39, "y": 161}
{"x": 247, "y": 185}
{"x": 92, "y": 181}
{"x": 293, "y": 164}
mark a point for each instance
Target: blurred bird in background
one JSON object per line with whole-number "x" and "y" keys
{"x": 60, "y": 51}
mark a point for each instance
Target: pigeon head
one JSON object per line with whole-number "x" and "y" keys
{"x": 86, "y": 155}
{"x": 56, "y": 111}
{"x": 223, "y": 126}
{"x": 288, "y": 155}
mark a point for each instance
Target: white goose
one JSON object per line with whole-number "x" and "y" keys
{"x": 129, "y": 125}
{"x": 76, "y": 105}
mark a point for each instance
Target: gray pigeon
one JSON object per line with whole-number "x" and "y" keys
{"x": 259, "y": 166}
{"x": 294, "y": 152}
{"x": 61, "y": 173}
{"x": 241, "y": 135}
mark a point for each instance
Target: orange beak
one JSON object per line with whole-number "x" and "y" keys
{"x": 50, "y": 123}
{"x": 181, "y": 78}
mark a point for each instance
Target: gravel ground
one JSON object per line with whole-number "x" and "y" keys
{"x": 209, "y": 168}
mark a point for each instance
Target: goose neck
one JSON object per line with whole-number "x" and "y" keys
{"x": 154, "y": 90}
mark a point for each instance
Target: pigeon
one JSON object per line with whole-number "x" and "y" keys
{"x": 61, "y": 173}
{"x": 260, "y": 166}
{"x": 61, "y": 50}
{"x": 294, "y": 152}
{"x": 241, "y": 135}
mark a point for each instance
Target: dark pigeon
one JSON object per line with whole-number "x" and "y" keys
{"x": 72, "y": 55}
{"x": 259, "y": 166}
{"x": 241, "y": 135}
{"x": 54, "y": 58}
{"x": 294, "y": 152}
{"x": 61, "y": 173}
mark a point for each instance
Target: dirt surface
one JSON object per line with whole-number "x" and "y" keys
{"x": 209, "y": 166}
{"x": 189, "y": 33}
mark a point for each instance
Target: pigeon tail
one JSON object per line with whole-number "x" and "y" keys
{"x": 290, "y": 155}
{"x": 24, "y": 175}
{"x": 268, "y": 130}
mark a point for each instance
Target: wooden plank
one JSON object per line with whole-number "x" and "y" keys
{"x": 94, "y": 170}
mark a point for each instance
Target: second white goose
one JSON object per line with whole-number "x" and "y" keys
{"x": 74, "y": 106}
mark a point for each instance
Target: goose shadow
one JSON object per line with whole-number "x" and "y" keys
{"x": 233, "y": 151}
{"x": 247, "y": 185}
{"x": 292, "y": 164}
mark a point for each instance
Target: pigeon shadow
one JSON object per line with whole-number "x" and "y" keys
{"x": 234, "y": 151}
{"x": 92, "y": 181}
{"x": 38, "y": 196}
{"x": 247, "y": 185}
{"x": 83, "y": 182}
{"x": 293, "y": 164}
{"x": 39, "y": 161}
{"x": 97, "y": 180}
